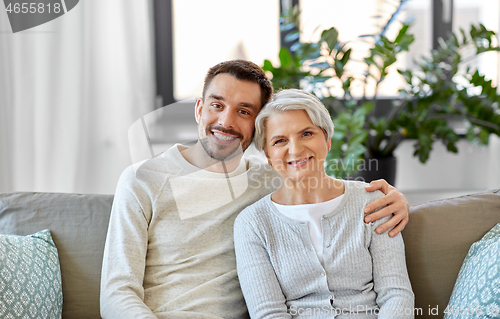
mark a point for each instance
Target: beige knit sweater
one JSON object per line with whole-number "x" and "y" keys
{"x": 169, "y": 250}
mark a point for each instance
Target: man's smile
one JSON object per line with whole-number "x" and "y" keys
{"x": 223, "y": 136}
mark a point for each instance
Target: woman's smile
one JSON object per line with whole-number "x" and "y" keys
{"x": 300, "y": 163}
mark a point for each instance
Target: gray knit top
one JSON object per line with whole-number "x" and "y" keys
{"x": 364, "y": 276}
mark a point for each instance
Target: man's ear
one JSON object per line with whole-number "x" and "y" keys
{"x": 197, "y": 109}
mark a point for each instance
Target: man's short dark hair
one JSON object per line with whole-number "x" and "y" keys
{"x": 242, "y": 70}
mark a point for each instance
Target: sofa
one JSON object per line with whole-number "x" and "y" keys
{"x": 437, "y": 239}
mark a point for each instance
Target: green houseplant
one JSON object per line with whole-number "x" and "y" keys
{"x": 437, "y": 91}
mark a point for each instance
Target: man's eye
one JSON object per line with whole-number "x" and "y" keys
{"x": 215, "y": 105}
{"x": 244, "y": 112}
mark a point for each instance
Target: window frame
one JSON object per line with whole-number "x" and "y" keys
{"x": 163, "y": 36}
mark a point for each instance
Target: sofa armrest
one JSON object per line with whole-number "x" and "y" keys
{"x": 437, "y": 239}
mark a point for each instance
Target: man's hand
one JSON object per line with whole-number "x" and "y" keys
{"x": 396, "y": 204}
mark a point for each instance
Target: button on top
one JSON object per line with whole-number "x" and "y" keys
{"x": 323, "y": 273}
{"x": 324, "y": 216}
{"x": 327, "y": 245}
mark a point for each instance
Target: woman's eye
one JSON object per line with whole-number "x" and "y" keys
{"x": 307, "y": 134}
{"x": 278, "y": 141}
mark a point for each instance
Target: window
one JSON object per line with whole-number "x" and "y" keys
{"x": 352, "y": 19}
{"x": 203, "y": 33}
{"x": 465, "y": 13}
{"x": 208, "y": 32}
{"x": 486, "y": 12}
{"x": 356, "y": 17}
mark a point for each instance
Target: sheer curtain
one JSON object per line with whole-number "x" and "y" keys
{"x": 69, "y": 90}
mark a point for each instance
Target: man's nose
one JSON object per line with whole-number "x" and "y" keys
{"x": 227, "y": 119}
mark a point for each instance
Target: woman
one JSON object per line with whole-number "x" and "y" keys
{"x": 304, "y": 250}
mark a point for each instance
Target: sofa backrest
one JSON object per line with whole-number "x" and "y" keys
{"x": 437, "y": 239}
{"x": 78, "y": 224}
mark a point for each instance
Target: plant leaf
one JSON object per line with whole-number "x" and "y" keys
{"x": 285, "y": 57}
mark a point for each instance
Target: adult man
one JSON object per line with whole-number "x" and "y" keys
{"x": 169, "y": 251}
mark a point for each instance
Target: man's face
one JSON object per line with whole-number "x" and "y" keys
{"x": 226, "y": 116}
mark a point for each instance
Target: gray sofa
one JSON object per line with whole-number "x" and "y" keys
{"x": 437, "y": 239}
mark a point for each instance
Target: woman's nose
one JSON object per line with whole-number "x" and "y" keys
{"x": 295, "y": 147}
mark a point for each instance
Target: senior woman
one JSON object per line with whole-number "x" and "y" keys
{"x": 304, "y": 250}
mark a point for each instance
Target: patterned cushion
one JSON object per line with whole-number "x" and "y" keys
{"x": 30, "y": 277}
{"x": 477, "y": 290}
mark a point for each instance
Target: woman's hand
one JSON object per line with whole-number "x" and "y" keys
{"x": 395, "y": 203}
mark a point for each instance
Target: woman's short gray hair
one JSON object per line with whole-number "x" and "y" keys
{"x": 292, "y": 99}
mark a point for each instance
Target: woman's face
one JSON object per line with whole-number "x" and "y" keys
{"x": 295, "y": 147}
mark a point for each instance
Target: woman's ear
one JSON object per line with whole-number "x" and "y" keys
{"x": 329, "y": 144}
{"x": 264, "y": 149}
{"x": 197, "y": 109}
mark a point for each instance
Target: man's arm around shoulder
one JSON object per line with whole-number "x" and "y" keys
{"x": 393, "y": 203}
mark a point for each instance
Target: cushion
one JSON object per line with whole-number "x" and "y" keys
{"x": 30, "y": 277}
{"x": 437, "y": 239}
{"x": 477, "y": 291}
{"x": 78, "y": 224}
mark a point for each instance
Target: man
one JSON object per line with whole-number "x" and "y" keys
{"x": 169, "y": 250}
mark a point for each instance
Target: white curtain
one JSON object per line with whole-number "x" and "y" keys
{"x": 69, "y": 90}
